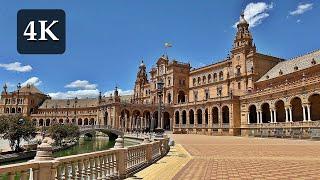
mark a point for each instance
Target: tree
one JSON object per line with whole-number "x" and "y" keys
{"x": 16, "y": 128}
{"x": 59, "y": 132}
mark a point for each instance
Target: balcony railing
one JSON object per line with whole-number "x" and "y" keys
{"x": 298, "y": 124}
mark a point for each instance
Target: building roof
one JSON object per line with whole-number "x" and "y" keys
{"x": 63, "y": 103}
{"x": 30, "y": 89}
{"x": 293, "y": 65}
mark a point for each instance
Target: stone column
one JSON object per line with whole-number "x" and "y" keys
{"x": 187, "y": 119}
{"x": 271, "y": 115}
{"x": 195, "y": 119}
{"x": 180, "y": 120}
{"x": 203, "y": 119}
{"x": 258, "y": 117}
{"x": 290, "y": 112}
{"x": 275, "y": 116}
{"x": 287, "y": 118}
{"x": 309, "y": 115}
{"x": 304, "y": 113}
{"x": 209, "y": 117}
{"x": 248, "y": 117}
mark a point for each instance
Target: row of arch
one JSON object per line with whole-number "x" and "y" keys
{"x": 13, "y": 110}
{"x": 146, "y": 120}
{"x": 296, "y": 111}
{"x": 80, "y": 121}
{"x": 207, "y": 78}
{"x": 201, "y": 116}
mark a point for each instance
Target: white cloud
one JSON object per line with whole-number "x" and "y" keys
{"x": 298, "y": 21}
{"x": 86, "y": 93}
{"x": 16, "y": 66}
{"x": 302, "y": 8}
{"x": 32, "y": 81}
{"x": 81, "y": 84}
{"x": 254, "y": 13}
{"x": 121, "y": 92}
{"x": 81, "y": 94}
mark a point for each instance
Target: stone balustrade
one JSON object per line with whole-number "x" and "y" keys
{"x": 115, "y": 163}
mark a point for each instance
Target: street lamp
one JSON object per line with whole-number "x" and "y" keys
{"x": 75, "y": 109}
{"x": 159, "y": 129}
{"x": 18, "y": 90}
{"x": 68, "y": 103}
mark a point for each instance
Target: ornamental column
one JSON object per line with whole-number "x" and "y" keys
{"x": 204, "y": 119}
{"x": 290, "y": 112}
{"x": 188, "y": 120}
{"x": 180, "y": 119}
{"x": 275, "y": 116}
{"x": 309, "y": 115}
{"x": 271, "y": 115}
{"x": 287, "y": 118}
{"x": 304, "y": 113}
{"x": 258, "y": 117}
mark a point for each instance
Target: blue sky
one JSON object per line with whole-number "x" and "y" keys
{"x": 106, "y": 40}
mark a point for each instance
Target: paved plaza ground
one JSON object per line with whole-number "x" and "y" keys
{"x": 228, "y": 157}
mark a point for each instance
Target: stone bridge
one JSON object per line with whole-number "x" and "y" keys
{"x": 92, "y": 129}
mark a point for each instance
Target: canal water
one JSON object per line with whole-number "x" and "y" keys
{"x": 84, "y": 146}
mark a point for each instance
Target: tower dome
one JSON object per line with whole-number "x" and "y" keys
{"x": 242, "y": 20}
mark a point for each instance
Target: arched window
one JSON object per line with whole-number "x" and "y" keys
{"x": 194, "y": 81}
{"x": 204, "y": 79}
{"x": 169, "y": 97}
{"x": 199, "y": 80}
{"x": 209, "y": 78}
{"x": 181, "y": 97}
{"x": 220, "y": 75}
{"x": 238, "y": 70}
{"x": 215, "y": 77}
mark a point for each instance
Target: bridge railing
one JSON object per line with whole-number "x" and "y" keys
{"x": 115, "y": 163}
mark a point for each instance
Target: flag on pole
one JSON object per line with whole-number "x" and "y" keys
{"x": 167, "y": 45}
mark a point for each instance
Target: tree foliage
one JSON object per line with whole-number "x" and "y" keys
{"x": 59, "y": 132}
{"x": 16, "y": 128}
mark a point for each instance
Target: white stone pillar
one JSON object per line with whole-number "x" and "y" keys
{"x": 309, "y": 115}
{"x": 271, "y": 115}
{"x": 287, "y": 118}
{"x": 248, "y": 117}
{"x": 304, "y": 112}
{"x": 275, "y": 116}
{"x": 258, "y": 117}
{"x": 290, "y": 111}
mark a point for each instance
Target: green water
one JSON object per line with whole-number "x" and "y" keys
{"x": 84, "y": 146}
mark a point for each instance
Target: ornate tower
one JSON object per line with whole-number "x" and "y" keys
{"x": 243, "y": 40}
{"x": 141, "y": 81}
{"x": 241, "y": 53}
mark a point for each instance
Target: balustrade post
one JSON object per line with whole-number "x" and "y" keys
{"x": 47, "y": 164}
{"x": 149, "y": 153}
{"x": 121, "y": 158}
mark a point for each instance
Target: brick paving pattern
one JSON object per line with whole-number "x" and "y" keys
{"x": 166, "y": 167}
{"x": 229, "y": 157}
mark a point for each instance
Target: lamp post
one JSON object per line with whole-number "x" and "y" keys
{"x": 18, "y": 90}
{"x": 68, "y": 103}
{"x": 159, "y": 129}
{"x": 75, "y": 109}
